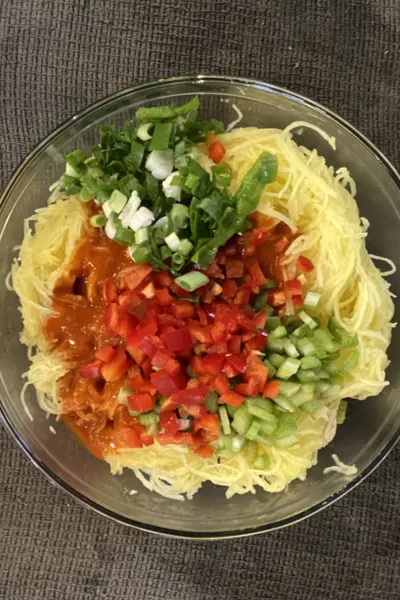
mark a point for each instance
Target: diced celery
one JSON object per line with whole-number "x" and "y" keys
{"x": 286, "y": 442}
{"x": 123, "y": 394}
{"x": 284, "y": 403}
{"x": 253, "y": 430}
{"x": 343, "y": 337}
{"x": 271, "y": 368}
{"x": 268, "y": 427}
{"x": 262, "y": 462}
{"x": 310, "y": 407}
{"x": 237, "y": 443}
{"x": 310, "y": 362}
{"x": 350, "y": 362}
{"x": 242, "y": 420}
{"x": 276, "y": 360}
{"x": 271, "y": 284}
{"x": 275, "y": 345}
{"x": 261, "y": 301}
{"x": 290, "y": 348}
{"x": 273, "y": 323}
{"x": 332, "y": 391}
{"x": 322, "y": 386}
{"x": 312, "y": 323}
{"x": 288, "y": 368}
{"x": 288, "y": 388}
{"x": 225, "y": 441}
{"x": 308, "y": 375}
{"x": 309, "y": 387}
{"x": 231, "y": 410}
{"x": 301, "y": 397}
{"x": 223, "y": 415}
{"x": 302, "y": 331}
{"x": 262, "y": 403}
{"x": 250, "y": 450}
{"x": 326, "y": 340}
{"x": 305, "y": 346}
{"x": 148, "y": 418}
{"x": 311, "y": 300}
{"x": 286, "y": 426}
{"x": 278, "y": 332}
{"x": 258, "y": 412}
{"x": 226, "y": 453}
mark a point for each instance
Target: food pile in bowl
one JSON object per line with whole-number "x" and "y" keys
{"x": 198, "y": 302}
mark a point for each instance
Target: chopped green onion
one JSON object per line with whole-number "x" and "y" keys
{"x": 223, "y": 415}
{"x": 179, "y": 216}
{"x": 178, "y": 260}
{"x": 172, "y": 241}
{"x": 134, "y": 159}
{"x": 192, "y": 281}
{"x": 70, "y": 171}
{"x": 148, "y": 418}
{"x": 288, "y": 368}
{"x": 221, "y": 175}
{"x": 159, "y": 113}
{"x": 117, "y": 201}
{"x": 161, "y": 136}
{"x": 191, "y": 181}
{"x": 77, "y": 160}
{"x": 125, "y": 237}
{"x": 141, "y": 255}
{"x": 312, "y": 324}
{"x": 311, "y": 300}
{"x": 143, "y": 131}
{"x": 142, "y": 235}
{"x": 180, "y": 149}
{"x": 98, "y": 220}
{"x": 165, "y": 253}
{"x": 185, "y": 247}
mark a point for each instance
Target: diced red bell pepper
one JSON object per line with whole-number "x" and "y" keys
{"x": 228, "y": 370}
{"x": 298, "y": 301}
{"x": 205, "y": 451}
{"x": 150, "y": 345}
{"x": 234, "y": 344}
{"x": 250, "y": 250}
{"x": 218, "y": 348}
{"x": 243, "y": 388}
{"x": 219, "y": 332}
{"x": 141, "y": 402}
{"x": 163, "y": 278}
{"x": 234, "y": 268}
{"x": 112, "y": 317}
{"x": 257, "y": 276}
{"x": 137, "y": 354}
{"x": 178, "y": 340}
{"x": 292, "y": 288}
{"x": 215, "y": 271}
{"x": 90, "y": 371}
{"x": 117, "y": 367}
{"x": 216, "y": 152}
{"x": 232, "y": 398}
{"x": 221, "y": 384}
{"x": 110, "y": 290}
{"x": 105, "y": 353}
{"x": 167, "y": 384}
{"x": 256, "y": 372}
{"x": 259, "y": 236}
{"x": 257, "y": 342}
{"x": 277, "y": 298}
{"x": 193, "y": 410}
{"x": 137, "y": 382}
{"x": 127, "y": 325}
{"x": 304, "y": 265}
{"x": 163, "y": 360}
{"x": 202, "y": 316}
{"x": 146, "y": 327}
{"x": 167, "y": 405}
{"x": 128, "y": 300}
{"x": 201, "y": 333}
{"x": 271, "y": 389}
{"x": 169, "y": 422}
{"x": 237, "y": 362}
{"x": 229, "y": 288}
{"x": 191, "y": 396}
{"x": 166, "y": 320}
{"x": 182, "y": 309}
{"x": 260, "y": 319}
{"x": 243, "y": 295}
{"x": 213, "y": 363}
{"x": 209, "y": 422}
{"x": 146, "y": 367}
{"x": 136, "y": 274}
{"x": 164, "y": 297}
{"x": 148, "y": 388}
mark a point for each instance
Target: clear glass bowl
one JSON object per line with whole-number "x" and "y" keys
{"x": 372, "y": 427}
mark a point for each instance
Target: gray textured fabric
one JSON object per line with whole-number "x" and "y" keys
{"x": 57, "y": 56}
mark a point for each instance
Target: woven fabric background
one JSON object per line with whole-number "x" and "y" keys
{"x": 56, "y": 57}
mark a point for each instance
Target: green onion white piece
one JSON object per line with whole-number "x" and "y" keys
{"x": 143, "y": 131}
{"x": 172, "y": 191}
{"x": 107, "y": 210}
{"x": 110, "y": 229}
{"x": 172, "y": 241}
{"x": 142, "y": 218}
{"x": 191, "y": 281}
{"x": 130, "y": 209}
{"x": 160, "y": 163}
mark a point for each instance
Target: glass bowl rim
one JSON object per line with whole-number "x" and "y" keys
{"x": 57, "y": 481}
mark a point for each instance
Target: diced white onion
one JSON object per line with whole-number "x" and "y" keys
{"x": 160, "y": 163}
{"x": 130, "y": 209}
{"x": 110, "y": 229}
{"x": 172, "y": 241}
{"x": 171, "y": 191}
{"x": 142, "y": 218}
